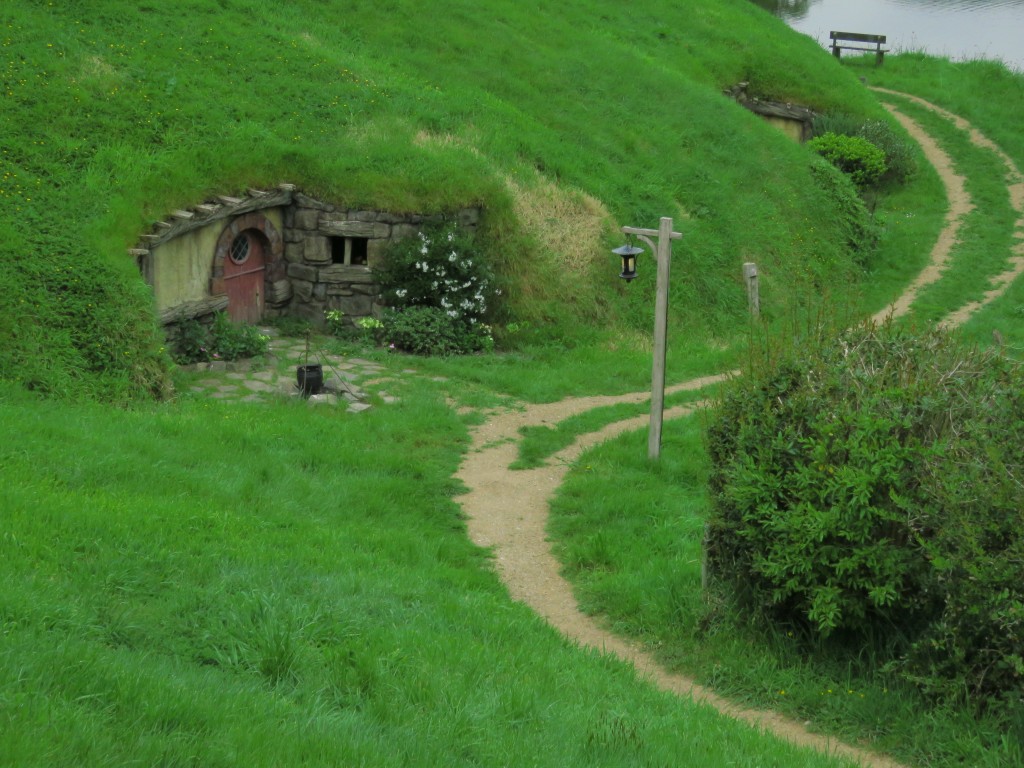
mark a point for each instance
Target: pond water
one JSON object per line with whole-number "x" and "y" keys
{"x": 959, "y": 29}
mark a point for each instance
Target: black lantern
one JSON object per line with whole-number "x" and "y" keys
{"x": 628, "y": 254}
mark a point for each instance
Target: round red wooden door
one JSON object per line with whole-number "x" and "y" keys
{"x": 244, "y": 270}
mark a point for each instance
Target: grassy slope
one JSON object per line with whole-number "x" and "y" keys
{"x": 202, "y": 584}
{"x": 635, "y": 553}
{"x": 111, "y": 119}
{"x": 199, "y": 609}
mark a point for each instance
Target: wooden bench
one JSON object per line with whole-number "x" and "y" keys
{"x": 839, "y": 38}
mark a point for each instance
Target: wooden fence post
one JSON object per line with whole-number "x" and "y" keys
{"x": 753, "y": 292}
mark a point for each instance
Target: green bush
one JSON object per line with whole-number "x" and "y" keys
{"x": 854, "y": 223}
{"x": 440, "y": 267}
{"x": 900, "y": 165}
{"x": 439, "y": 288}
{"x": 221, "y": 340}
{"x": 433, "y": 331}
{"x": 899, "y": 157}
{"x": 867, "y": 485}
{"x": 855, "y": 156}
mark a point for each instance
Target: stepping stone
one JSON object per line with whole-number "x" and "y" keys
{"x": 258, "y": 386}
{"x": 264, "y": 375}
{"x": 359, "y": 407}
{"x": 235, "y": 376}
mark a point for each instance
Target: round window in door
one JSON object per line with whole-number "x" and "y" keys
{"x": 244, "y": 272}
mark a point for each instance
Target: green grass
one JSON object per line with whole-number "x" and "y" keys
{"x": 221, "y": 585}
{"x": 985, "y": 239}
{"x": 196, "y": 583}
{"x": 629, "y": 537}
{"x": 112, "y": 120}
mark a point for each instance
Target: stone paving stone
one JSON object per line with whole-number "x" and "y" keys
{"x": 227, "y": 389}
{"x": 359, "y": 407}
{"x": 264, "y": 375}
{"x": 258, "y": 386}
{"x": 323, "y": 400}
{"x": 236, "y": 376}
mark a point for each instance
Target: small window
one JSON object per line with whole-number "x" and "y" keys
{"x": 349, "y": 250}
{"x": 240, "y": 248}
{"x": 359, "y": 245}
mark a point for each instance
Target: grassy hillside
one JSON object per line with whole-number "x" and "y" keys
{"x": 550, "y": 117}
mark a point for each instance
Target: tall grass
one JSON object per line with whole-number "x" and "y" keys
{"x": 224, "y": 584}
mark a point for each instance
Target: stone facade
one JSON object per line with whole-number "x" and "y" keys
{"x": 321, "y": 259}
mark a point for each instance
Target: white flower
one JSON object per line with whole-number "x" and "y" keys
{"x": 452, "y": 256}
{"x": 400, "y": 293}
{"x": 452, "y": 313}
{"x": 423, "y": 250}
{"x": 451, "y": 236}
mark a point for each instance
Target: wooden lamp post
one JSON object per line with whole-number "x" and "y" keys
{"x": 663, "y": 253}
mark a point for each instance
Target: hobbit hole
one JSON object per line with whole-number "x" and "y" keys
{"x": 270, "y": 254}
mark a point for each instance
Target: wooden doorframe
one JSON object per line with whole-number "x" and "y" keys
{"x": 271, "y": 240}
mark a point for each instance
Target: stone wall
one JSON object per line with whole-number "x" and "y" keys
{"x": 329, "y": 252}
{"x": 325, "y": 272}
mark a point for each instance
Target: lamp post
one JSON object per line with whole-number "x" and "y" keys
{"x": 663, "y": 253}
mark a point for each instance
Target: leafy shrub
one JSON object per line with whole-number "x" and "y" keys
{"x": 221, "y": 340}
{"x": 855, "y": 156}
{"x": 900, "y": 165}
{"x": 856, "y": 225}
{"x": 335, "y": 323}
{"x": 867, "y": 485}
{"x": 439, "y": 269}
{"x": 433, "y": 331}
{"x": 899, "y": 158}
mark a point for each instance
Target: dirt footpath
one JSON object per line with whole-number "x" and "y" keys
{"x": 508, "y": 510}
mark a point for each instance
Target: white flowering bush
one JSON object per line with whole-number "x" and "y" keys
{"x": 439, "y": 269}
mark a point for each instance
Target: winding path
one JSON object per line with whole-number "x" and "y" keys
{"x": 508, "y": 510}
